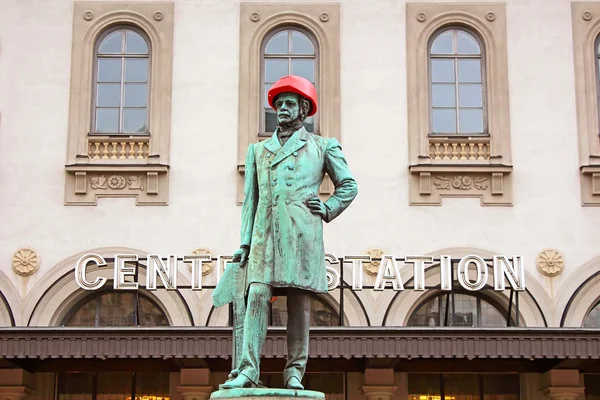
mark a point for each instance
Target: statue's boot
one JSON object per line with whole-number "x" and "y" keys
{"x": 242, "y": 381}
{"x": 294, "y": 383}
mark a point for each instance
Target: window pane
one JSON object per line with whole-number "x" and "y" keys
{"x": 443, "y": 44}
{"x": 500, "y": 386}
{"x": 444, "y": 121}
{"x": 116, "y": 309}
{"x": 309, "y": 124}
{"x": 134, "y": 121}
{"x": 113, "y": 43}
{"x": 136, "y": 70}
{"x": 270, "y": 120}
{"x": 135, "y": 95}
{"x": 471, "y": 121}
{"x": 490, "y": 316}
{"x": 301, "y": 44}
{"x": 75, "y": 385}
{"x": 428, "y": 314}
{"x": 109, "y": 70}
{"x": 152, "y": 386}
{"x": 424, "y": 387}
{"x": 85, "y": 316}
{"x": 466, "y": 44}
{"x": 278, "y": 44}
{"x": 321, "y": 313}
{"x": 304, "y": 68}
{"x": 134, "y": 43}
{"x": 114, "y": 385}
{"x": 275, "y": 69}
{"x": 443, "y": 95}
{"x": 592, "y": 320}
{"x": 469, "y": 71}
{"x": 107, "y": 120}
{"x": 465, "y": 307}
{"x": 442, "y": 70}
{"x": 108, "y": 95}
{"x": 592, "y": 386}
{"x": 461, "y": 386}
{"x": 469, "y": 95}
{"x": 150, "y": 314}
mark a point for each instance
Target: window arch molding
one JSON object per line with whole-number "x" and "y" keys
{"x": 257, "y": 20}
{"x": 89, "y": 157}
{"x": 52, "y": 297}
{"x": 586, "y": 33}
{"x": 435, "y": 159}
{"x": 579, "y": 295}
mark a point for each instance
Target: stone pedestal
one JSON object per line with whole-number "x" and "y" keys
{"x": 266, "y": 394}
{"x": 562, "y": 384}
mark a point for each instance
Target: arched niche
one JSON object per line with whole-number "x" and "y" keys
{"x": 52, "y": 297}
{"x": 404, "y": 303}
{"x": 579, "y": 294}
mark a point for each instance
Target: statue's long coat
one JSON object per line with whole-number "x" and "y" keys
{"x": 285, "y": 238}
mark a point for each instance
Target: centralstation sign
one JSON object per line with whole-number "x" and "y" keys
{"x": 471, "y": 271}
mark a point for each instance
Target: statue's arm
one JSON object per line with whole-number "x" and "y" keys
{"x": 250, "y": 198}
{"x": 346, "y": 188}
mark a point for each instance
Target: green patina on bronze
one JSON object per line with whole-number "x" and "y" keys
{"x": 282, "y": 249}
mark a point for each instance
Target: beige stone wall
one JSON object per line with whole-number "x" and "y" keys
{"x": 546, "y": 211}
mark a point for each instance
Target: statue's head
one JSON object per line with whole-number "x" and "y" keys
{"x": 294, "y": 98}
{"x": 291, "y": 107}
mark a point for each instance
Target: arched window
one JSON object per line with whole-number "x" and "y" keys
{"x": 457, "y": 87}
{"x": 287, "y": 51}
{"x": 592, "y": 320}
{"x": 321, "y": 313}
{"x": 116, "y": 309}
{"x": 122, "y": 64}
{"x": 462, "y": 310}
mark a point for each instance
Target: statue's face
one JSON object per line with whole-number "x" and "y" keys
{"x": 288, "y": 107}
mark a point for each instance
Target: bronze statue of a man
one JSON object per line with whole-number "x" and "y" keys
{"x": 282, "y": 229}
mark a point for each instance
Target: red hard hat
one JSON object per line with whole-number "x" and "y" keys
{"x": 294, "y": 84}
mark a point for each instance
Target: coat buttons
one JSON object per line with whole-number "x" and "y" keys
{"x": 273, "y": 183}
{"x": 274, "y": 203}
{"x": 289, "y": 184}
{"x": 295, "y": 154}
{"x": 269, "y": 155}
{"x": 288, "y": 201}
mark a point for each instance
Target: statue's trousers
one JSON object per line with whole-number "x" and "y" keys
{"x": 255, "y": 331}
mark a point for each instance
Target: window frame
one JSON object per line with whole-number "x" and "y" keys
{"x": 455, "y": 57}
{"x": 96, "y": 298}
{"x": 447, "y": 166}
{"x": 479, "y": 298}
{"x": 286, "y": 27}
{"x": 128, "y": 165}
{"x": 94, "y": 106}
{"x": 257, "y": 20}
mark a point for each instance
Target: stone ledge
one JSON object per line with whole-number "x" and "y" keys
{"x": 266, "y": 394}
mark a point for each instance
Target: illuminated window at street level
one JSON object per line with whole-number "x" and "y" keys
{"x": 117, "y": 309}
{"x": 287, "y": 51}
{"x": 463, "y": 386}
{"x": 457, "y": 87}
{"x": 121, "y": 85}
{"x": 463, "y": 310}
{"x": 105, "y": 385}
{"x": 592, "y": 320}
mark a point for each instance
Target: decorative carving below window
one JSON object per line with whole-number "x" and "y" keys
{"x": 120, "y": 164}
{"x": 467, "y": 99}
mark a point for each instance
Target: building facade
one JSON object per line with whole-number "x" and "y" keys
{"x": 472, "y": 131}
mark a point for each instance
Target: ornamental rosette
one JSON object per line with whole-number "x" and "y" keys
{"x": 550, "y": 262}
{"x": 25, "y": 262}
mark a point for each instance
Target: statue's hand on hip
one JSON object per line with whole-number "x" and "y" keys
{"x": 316, "y": 206}
{"x": 241, "y": 255}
